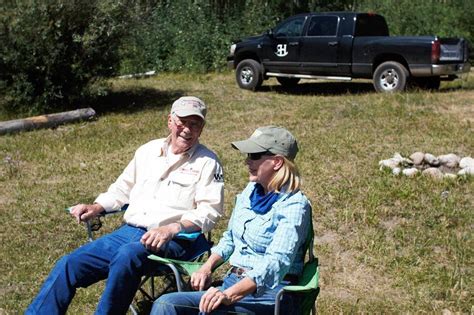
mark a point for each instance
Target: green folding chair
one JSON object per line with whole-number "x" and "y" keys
{"x": 308, "y": 284}
{"x": 171, "y": 270}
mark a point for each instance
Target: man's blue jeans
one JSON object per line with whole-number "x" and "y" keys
{"x": 187, "y": 303}
{"x": 118, "y": 256}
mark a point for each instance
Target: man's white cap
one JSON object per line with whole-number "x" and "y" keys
{"x": 189, "y": 106}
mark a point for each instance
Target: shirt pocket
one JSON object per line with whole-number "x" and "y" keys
{"x": 180, "y": 190}
{"x": 262, "y": 234}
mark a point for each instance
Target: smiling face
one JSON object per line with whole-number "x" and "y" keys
{"x": 185, "y": 132}
{"x": 263, "y": 169}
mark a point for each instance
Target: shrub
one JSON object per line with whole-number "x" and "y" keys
{"x": 52, "y": 51}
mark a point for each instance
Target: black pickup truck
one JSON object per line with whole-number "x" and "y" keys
{"x": 344, "y": 46}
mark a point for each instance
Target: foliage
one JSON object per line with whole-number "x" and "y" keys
{"x": 53, "y": 50}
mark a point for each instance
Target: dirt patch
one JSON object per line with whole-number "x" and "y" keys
{"x": 462, "y": 108}
{"x": 344, "y": 278}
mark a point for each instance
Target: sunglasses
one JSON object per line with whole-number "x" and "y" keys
{"x": 258, "y": 156}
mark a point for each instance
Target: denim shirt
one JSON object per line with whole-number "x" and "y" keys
{"x": 269, "y": 245}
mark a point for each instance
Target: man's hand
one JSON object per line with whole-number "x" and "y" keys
{"x": 84, "y": 213}
{"x": 212, "y": 299}
{"x": 156, "y": 238}
{"x": 201, "y": 279}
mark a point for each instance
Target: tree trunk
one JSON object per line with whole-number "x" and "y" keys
{"x": 46, "y": 121}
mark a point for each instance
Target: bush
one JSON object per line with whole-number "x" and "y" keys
{"x": 179, "y": 36}
{"x": 52, "y": 51}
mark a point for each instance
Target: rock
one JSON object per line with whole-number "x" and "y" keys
{"x": 449, "y": 175}
{"x": 390, "y": 163}
{"x": 451, "y": 160}
{"x": 401, "y": 160}
{"x": 410, "y": 172}
{"x": 466, "y": 162}
{"x": 417, "y": 158}
{"x": 431, "y": 159}
{"x": 433, "y": 172}
{"x": 469, "y": 171}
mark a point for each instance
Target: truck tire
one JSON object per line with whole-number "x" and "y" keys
{"x": 288, "y": 82}
{"x": 249, "y": 74}
{"x": 390, "y": 76}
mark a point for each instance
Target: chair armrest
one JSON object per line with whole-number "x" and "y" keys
{"x": 187, "y": 236}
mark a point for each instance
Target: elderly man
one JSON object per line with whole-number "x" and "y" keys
{"x": 171, "y": 185}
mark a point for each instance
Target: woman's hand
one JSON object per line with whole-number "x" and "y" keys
{"x": 212, "y": 299}
{"x": 201, "y": 279}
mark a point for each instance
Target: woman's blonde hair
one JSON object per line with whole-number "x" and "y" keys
{"x": 288, "y": 175}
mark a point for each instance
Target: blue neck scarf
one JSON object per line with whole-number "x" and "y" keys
{"x": 260, "y": 202}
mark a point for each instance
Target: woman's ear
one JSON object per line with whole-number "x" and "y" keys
{"x": 277, "y": 162}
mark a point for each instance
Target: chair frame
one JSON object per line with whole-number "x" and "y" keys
{"x": 175, "y": 273}
{"x": 311, "y": 259}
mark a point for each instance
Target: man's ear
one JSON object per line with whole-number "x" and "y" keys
{"x": 277, "y": 162}
{"x": 170, "y": 121}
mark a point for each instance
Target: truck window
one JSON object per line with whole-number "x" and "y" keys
{"x": 323, "y": 26}
{"x": 371, "y": 25}
{"x": 290, "y": 28}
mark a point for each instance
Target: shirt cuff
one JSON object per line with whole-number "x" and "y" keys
{"x": 108, "y": 203}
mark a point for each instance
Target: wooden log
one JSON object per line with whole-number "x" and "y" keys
{"x": 46, "y": 121}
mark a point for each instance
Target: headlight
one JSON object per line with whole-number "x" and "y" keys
{"x": 232, "y": 49}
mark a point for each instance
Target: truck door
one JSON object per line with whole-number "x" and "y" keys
{"x": 320, "y": 47}
{"x": 281, "y": 48}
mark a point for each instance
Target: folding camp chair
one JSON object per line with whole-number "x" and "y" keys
{"x": 170, "y": 271}
{"x": 308, "y": 284}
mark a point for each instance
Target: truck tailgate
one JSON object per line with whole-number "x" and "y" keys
{"x": 453, "y": 49}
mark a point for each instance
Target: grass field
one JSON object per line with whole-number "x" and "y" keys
{"x": 385, "y": 244}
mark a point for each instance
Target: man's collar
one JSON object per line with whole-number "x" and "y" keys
{"x": 167, "y": 143}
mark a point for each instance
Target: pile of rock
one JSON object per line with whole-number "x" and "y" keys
{"x": 443, "y": 166}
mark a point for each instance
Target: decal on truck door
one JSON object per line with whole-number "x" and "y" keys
{"x": 281, "y": 50}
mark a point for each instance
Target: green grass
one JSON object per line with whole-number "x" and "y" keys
{"x": 385, "y": 244}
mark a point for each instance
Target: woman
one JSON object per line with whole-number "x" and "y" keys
{"x": 264, "y": 241}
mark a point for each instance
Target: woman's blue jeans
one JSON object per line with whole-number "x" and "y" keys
{"x": 118, "y": 256}
{"x": 187, "y": 303}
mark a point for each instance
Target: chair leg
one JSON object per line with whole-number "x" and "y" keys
{"x": 133, "y": 310}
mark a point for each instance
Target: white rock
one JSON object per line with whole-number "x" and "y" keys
{"x": 410, "y": 172}
{"x": 450, "y": 160}
{"x": 417, "y": 157}
{"x": 390, "y": 163}
{"x": 401, "y": 160}
{"x": 396, "y": 171}
{"x": 466, "y": 162}
{"x": 450, "y": 175}
{"x": 467, "y": 171}
{"x": 431, "y": 159}
{"x": 433, "y": 172}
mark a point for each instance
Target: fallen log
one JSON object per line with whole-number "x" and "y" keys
{"x": 46, "y": 121}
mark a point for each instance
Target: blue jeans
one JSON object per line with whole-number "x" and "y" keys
{"x": 118, "y": 256}
{"x": 187, "y": 303}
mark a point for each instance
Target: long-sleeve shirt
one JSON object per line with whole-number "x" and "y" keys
{"x": 268, "y": 246}
{"x": 160, "y": 190}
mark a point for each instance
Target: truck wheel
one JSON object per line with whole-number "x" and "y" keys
{"x": 288, "y": 82}
{"x": 249, "y": 74}
{"x": 390, "y": 76}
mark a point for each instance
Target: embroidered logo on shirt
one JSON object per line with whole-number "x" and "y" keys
{"x": 219, "y": 177}
{"x": 188, "y": 171}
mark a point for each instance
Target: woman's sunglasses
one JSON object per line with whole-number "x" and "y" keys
{"x": 258, "y": 156}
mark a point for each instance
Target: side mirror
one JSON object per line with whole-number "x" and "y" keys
{"x": 269, "y": 32}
